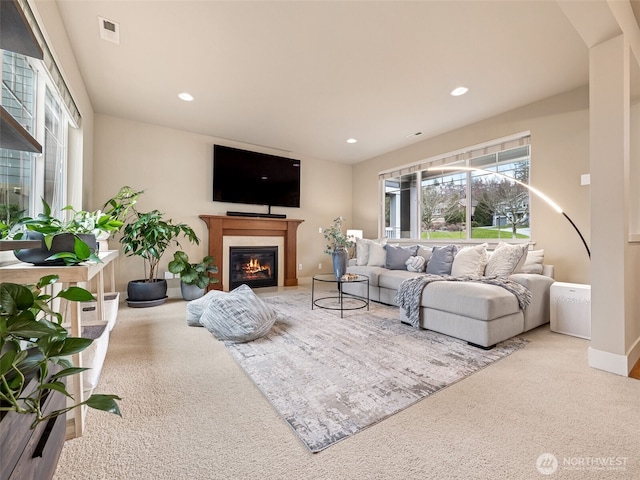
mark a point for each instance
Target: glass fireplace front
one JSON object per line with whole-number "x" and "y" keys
{"x": 253, "y": 266}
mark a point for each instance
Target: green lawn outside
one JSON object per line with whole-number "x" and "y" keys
{"x": 479, "y": 233}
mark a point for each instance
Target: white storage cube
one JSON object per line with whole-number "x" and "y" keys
{"x": 89, "y": 310}
{"x": 93, "y": 356}
{"x": 570, "y": 305}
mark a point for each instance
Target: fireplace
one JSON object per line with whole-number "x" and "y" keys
{"x": 253, "y": 266}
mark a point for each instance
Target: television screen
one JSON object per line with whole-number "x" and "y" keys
{"x": 241, "y": 176}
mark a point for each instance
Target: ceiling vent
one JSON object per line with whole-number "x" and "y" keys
{"x": 109, "y": 30}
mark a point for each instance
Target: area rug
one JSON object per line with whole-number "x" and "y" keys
{"x": 330, "y": 377}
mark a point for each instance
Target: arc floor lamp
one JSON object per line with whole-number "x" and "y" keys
{"x": 534, "y": 190}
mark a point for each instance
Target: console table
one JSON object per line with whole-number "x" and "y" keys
{"x": 223, "y": 225}
{"x": 24, "y": 273}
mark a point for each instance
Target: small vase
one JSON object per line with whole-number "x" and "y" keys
{"x": 340, "y": 257}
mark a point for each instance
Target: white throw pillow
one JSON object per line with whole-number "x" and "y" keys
{"x": 506, "y": 259}
{"x": 533, "y": 262}
{"x": 416, "y": 264}
{"x": 362, "y": 249}
{"x": 470, "y": 261}
{"x": 377, "y": 255}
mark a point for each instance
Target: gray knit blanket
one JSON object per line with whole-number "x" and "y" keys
{"x": 410, "y": 291}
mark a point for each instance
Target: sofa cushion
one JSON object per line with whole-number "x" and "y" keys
{"x": 392, "y": 279}
{"x": 470, "y": 261}
{"x": 442, "y": 260}
{"x": 397, "y": 256}
{"x": 506, "y": 259}
{"x": 372, "y": 272}
{"x": 470, "y": 299}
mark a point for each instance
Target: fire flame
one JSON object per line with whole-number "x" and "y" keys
{"x": 254, "y": 266}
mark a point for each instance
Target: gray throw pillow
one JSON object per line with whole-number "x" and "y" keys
{"x": 239, "y": 316}
{"x": 442, "y": 260}
{"x": 397, "y": 256}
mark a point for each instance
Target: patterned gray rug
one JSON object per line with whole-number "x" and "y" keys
{"x": 330, "y": 377}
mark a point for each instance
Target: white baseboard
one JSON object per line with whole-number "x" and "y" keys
{"x": 613, "y": 362}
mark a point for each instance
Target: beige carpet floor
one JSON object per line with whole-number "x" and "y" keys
{"x": 191, "y": 413}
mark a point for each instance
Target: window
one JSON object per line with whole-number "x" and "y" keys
{"x": 26, "y": 177}
{"x": 16, "y": 168}
{"x": 36, "y": 95}
{"x": 473, "y": 194}
{"x": 55, "y": 131}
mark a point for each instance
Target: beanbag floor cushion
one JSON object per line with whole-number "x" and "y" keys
{"x": 238, "y": 316}
{"x": 195, "y": 308}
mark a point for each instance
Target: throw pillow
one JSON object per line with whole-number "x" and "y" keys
{"x": 239, "y": 316}
{"x": 533, "y": 262}
{"x": 470, "y": 261}
{"x": 363, "y": 246}
{"x": 416, "y": 264}
{"x": 397, "y": 256}
{"x": 377, "y": 255}
{"x": 196, "y": 307}
{"x": 506, "y": 259}
{"x": 442, "y": 260}
{"x": 425, "y": 252}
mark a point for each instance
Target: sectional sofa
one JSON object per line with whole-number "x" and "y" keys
{"x": 482, "y": 314}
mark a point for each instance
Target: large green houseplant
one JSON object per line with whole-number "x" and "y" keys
{"x": 148, "y": 235}
{"x": 34, "y": 345}
{"x": 194, "y": 276}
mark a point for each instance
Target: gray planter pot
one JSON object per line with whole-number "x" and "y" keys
{"x": 63, "y": 242}
{"x": 191, "y": 292}
{"x": 146, "y": 294}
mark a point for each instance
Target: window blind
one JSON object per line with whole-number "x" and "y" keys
{"x": 476, "y": 151}
{"x": 51, "y": 66}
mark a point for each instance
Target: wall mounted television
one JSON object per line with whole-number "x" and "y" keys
{"x": 242, "y": 176}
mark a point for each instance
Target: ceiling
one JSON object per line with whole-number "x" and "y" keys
{"x": 305, "y": 76}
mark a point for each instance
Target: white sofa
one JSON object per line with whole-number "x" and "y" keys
{"x": 481, "y": 314}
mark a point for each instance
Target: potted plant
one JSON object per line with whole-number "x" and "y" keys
{"x": 35, "y": 351}
{"x": 74, "y": 239}
{"x": 338, "y": 246}
{"x": 148, "y": 235}
{"x": 194, "y": 277}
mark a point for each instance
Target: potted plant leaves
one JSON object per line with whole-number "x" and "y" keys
{"x": 35, "y": 351}
{"x": 73, "y": 239}
{"x": 194, "y": 277}
{"x": 148, "y": 235}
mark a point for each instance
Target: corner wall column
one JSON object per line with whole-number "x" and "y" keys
{"x": 615, "y": 262}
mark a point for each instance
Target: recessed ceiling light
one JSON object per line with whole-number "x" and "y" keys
{"x": 185, "y": 96}
{"x": 416, "y": 134}
{"x": 456, "y": 92}
{"x": 352, "y": 140}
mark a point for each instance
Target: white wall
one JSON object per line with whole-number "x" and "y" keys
{"x": 175, "y": 168}
{"x": 559, "y": 129}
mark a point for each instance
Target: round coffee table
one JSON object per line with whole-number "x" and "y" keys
{"x": 336, "y": 302}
